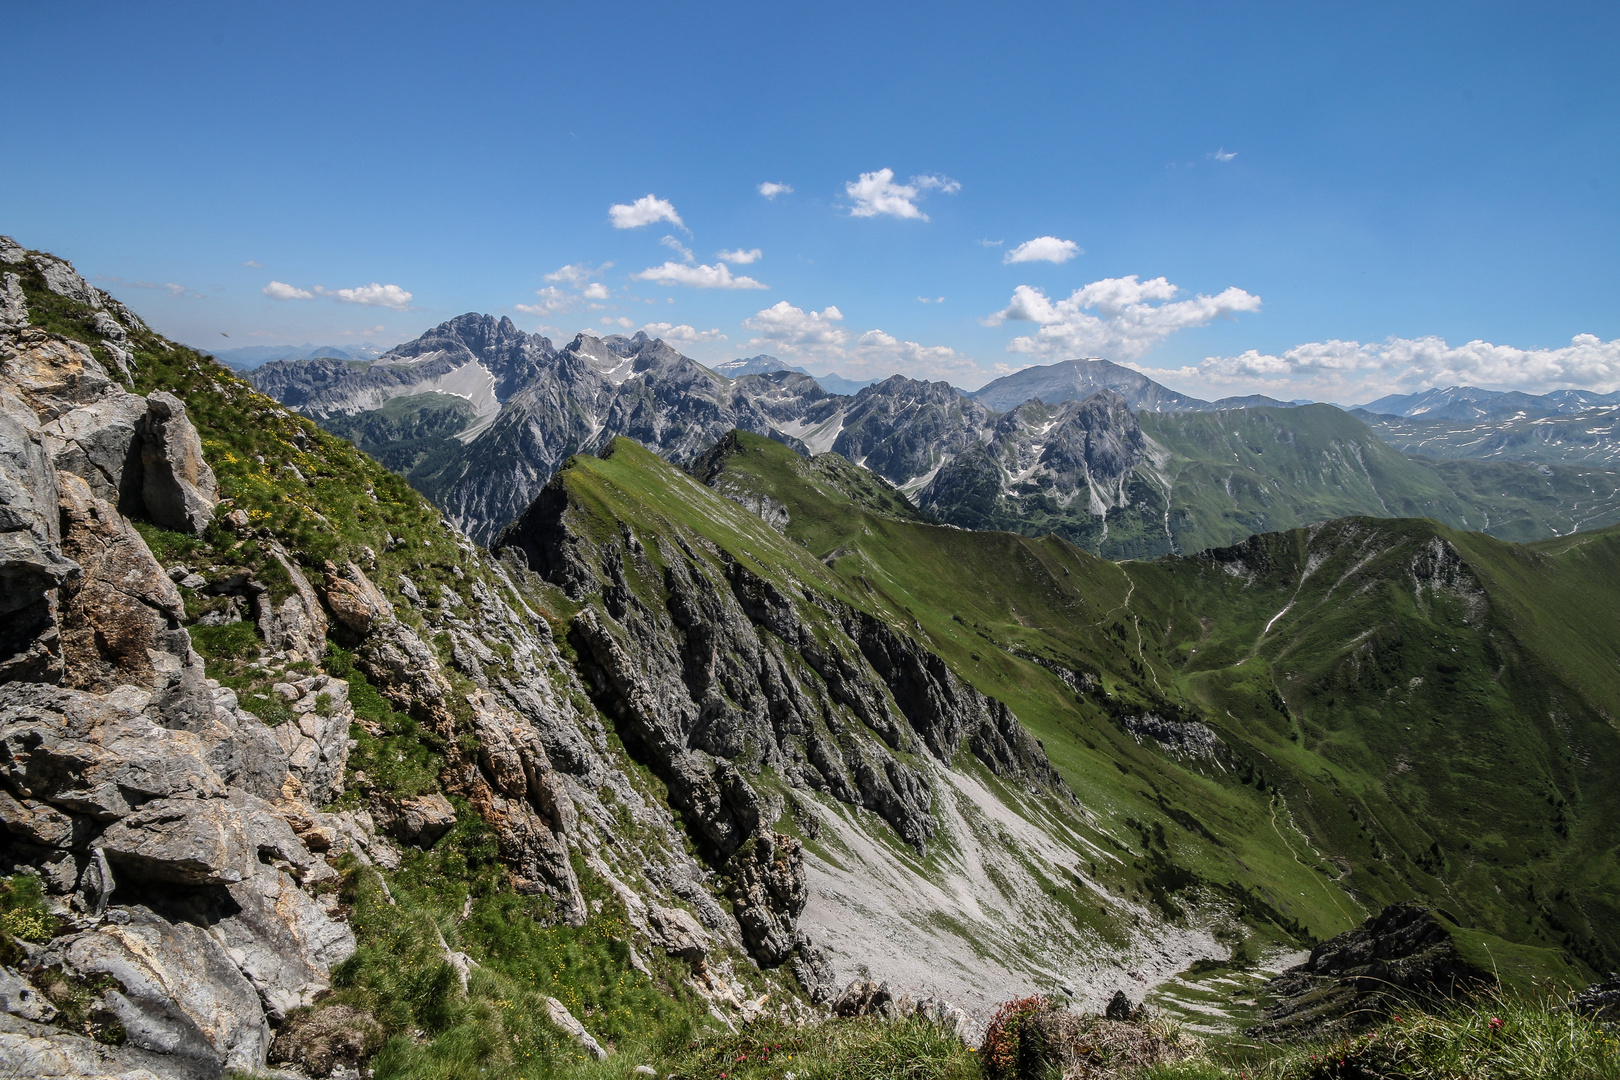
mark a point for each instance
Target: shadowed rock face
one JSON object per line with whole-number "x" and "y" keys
{"x": 714, "y": 673}
{"x": 1355, "y": 980}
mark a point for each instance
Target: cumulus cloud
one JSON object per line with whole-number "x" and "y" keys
{"x": 1043, "y": 249}
{"x": 373, "y": 295}
{"x": 1120, "y": 317}
{"x": 679, "y": 248}
{"x": 280, "y": 290}
{"x": 820, "y": 336}
{"x": 644, "y": 211}
{"x": 718, "y": 276}
{"x": 770, "y": 189}
{"x": 1350, "y": 371}
{"x": 574, "y": 273}
{"x": 620, "y": 321}
{"x": 876, "y": 193}
{"x": 741, "y": 257}
{"x": 552, "y": 300}
{"x": 682, "y": 333}
{"x": 595, "y": 291}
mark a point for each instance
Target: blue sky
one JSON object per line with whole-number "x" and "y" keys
{"x": 1315, "y": 200}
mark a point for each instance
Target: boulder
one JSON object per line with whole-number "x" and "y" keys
{"x": 559, "y": 1014}
{"x": 863, "y": 997}
{"x": 177, "y": 486}
{"x": 295, "y": 624}
{"x": 282, "y": 941}
{"x": 185, "y": 841}
{"x": 356, "y": 603}
{"x": 63, "y": 280}
{"x": 13, "y": 304}
{"x": 98, "y": 755}
{"x": 121, "y": 618}
{"x": 1353, "y": 980}
{"x": 98, "y": 443}
{"x": 677, "y": 933}
{"x": 19, "y": 998}
{"x": 316, "y": 740}
{"x": 418, "y": 820}
{"x": 181, "y": 993}
{"x": 42, "y": 824}
{"x": 41, "y": 1052}
{"x": 31, "y": 562}
{"x": 51, "y": 375}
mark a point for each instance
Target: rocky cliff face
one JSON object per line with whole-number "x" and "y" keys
{"x": 543, "y": 405}
{"x": 186, "y": 834}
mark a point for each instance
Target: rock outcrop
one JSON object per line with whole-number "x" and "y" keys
{"x": 1357, "y": 978}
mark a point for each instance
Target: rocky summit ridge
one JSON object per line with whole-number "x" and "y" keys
{"x": 479, "y": 415}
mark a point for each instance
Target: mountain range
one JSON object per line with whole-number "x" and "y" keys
{"x": 249, "y": 357}
{"x": 480, "y": 414}
{"x": 691, "y": 760}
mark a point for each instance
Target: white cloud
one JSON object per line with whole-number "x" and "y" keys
{"x": 280, "y": 290}
{"x": 770, "y": 189}
{"x": 991, "y": 243}
{"x": 718, "y": 276}
{"x": 644, "y": 211}
{"x": 789, "y": 327}
{"x": 373, "y": 295}
{"x": 552, "y": 300}
{"x": 818, "y": 336}
{"x": 609, "y": 320}
{"x": 682, "y": 334}
{"x": 1224, "y": 155}
{"x": 930, "y": 299}
{"x": 255, "y": 264}
{"x": 1351, "y": 371}
{"x": 1043, "y": 249}
{"x": 876, "y": 193}
{"x": 595, "y": 291}
{"x": 678, "y": 247}
{"x": 741, "y": 257}
{"x": 574, "y": 273}
{"x": 1132, "y": 317}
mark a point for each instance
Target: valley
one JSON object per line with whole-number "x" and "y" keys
{"x": 682, "y": 752}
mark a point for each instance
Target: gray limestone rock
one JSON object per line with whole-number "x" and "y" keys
{"x": 677, "y": 933}
{"x": 41, "y": 1052}
{"x": 295, "y": 625}
{"x": 177, "y": 486}
{"x": 182, "y": 994}
{"x": 97, "y": 442}
{"x": 418, "y": 820}
{"x": 31, "y": 562}
{"x": 12, "y": 252}
{"x": 19, "y": 998}
{"x": 316, "y": 740}
{"x": 13, "y": 304}
{"x": 186, "y": 841}
{"x": 559, "y": 1015}
{"x": 282, "y": 941}
{"x": 121, "y": 618}
{"x": 97, "y": 755}
{"x": 62, "y": 279}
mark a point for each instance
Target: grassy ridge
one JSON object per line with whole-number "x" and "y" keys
{"x": 1386, "y": 742}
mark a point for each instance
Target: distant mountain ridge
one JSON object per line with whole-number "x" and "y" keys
{"x": 832, "y": 382}
{"x": 1472, "y": 403}
{"x": 249, "y": 357}
{"x": 1092, "y": 450}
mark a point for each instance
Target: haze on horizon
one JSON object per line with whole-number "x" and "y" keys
{"x": 1302, "y": 203}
